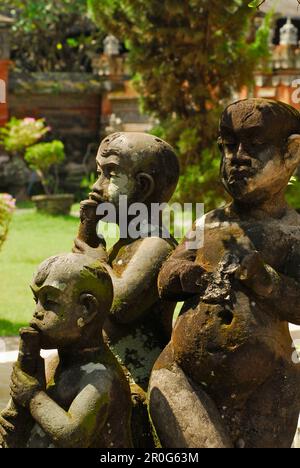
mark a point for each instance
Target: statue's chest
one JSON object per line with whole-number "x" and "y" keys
{"x": 66, "y": 387}
{"x": 230, "y": 346}
{"x": 274, "y": 242}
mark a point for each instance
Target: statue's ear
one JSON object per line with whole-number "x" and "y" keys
{"x": 90, "y": 308}
{"x": 293, "y": 153}
{"x": 146, "y": 183}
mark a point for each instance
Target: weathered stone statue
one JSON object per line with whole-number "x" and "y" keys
{"x": 145, "y": 169}
{"x": 227, "y": 378}
{"x": 86, "y": 400}
{"x": 16, "y": 421}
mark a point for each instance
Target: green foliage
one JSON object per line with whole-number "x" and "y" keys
{"x": 260, "y": 47}
{"x": 293, "y": 193}
{"x": 200, "y": 183}
{"x": 52, "y": 35}
{"x": 188, "y": 57}
{"x": 7, "y": 207}
{"x": 256, "y": 3}
{"x": 87, "y": 183}
{"x": 17, "y": 135}
{"x": 42, "y": 157}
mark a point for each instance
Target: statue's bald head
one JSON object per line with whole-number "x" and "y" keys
{"x": 272, "y": 120}
{"x": 75, "y": 274}
{"x": 143, "y": 166}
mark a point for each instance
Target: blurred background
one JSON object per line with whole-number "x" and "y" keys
{"x": 92, "y": 67}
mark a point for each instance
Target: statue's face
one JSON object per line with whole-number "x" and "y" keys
{"x": 116, "y": 178}
{"x": 65, "y": 289}
{"x": 124, "y": 167}
{"x": 253, "y": 166}
{"x": 56, "y": 315}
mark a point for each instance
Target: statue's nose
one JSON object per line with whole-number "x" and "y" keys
{"x": 98, "y": 185}
{"x": 241, "y": 157}
{"x": 38, "y": 314}
{"x": 96, "y": 189}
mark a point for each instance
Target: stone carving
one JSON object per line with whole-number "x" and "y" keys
{"x": 146, "y": 170}
{"x": 227, "y": 378}
{"x": 84, "y": 400}
{"x": 16, "y": 422}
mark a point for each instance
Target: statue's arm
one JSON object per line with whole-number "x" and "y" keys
{"x": 74, "y": 428}
{"x": 180, "y": 277}
{"x": 279, "y": 291}
{"x": 135, "y": 290}
{"x": 284, "y": 297}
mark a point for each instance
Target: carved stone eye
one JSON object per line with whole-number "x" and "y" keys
{"x": 49, "y": 304}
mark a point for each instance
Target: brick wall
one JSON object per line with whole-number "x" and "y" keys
{"x": 71, "y": 105}
{"x": 75, "y": 119}
{"x": 4, "y": 64}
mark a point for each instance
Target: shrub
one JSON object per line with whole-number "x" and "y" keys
{"x": 42, "y": 157}
{"x": 17, "y": 135}
{"x": 7, "y": 207}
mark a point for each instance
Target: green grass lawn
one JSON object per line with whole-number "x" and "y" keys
{"x": 32, "y": 238}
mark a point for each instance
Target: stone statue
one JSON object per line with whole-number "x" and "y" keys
{"x": 145, "y": 169}
{"x": 86, "y": 400}
{"x": 228, "y": 378}
{"x": 16, "y": 422}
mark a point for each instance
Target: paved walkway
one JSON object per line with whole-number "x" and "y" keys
{"x": 10, "y": 343}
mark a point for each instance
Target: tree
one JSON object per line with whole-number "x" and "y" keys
{"x": 52, "y": 35}
{"x": 189, "y": 57}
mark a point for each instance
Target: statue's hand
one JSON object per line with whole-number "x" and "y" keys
{"x": 98, "y": 253}
{"x": 193, "y": 280}
{"x": 255, "y": 274}
{"x": 23, "y": 386}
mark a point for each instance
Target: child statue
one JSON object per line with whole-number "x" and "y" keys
{"x": 86, "y": 401}
{"x": 229, "y": 377}
{"x": 145, "y": 169}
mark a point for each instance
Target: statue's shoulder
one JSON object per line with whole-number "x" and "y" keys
{"x": 159, "y": 243}
{"x": 100, "y": 375}
{"x": 218, "y": 217}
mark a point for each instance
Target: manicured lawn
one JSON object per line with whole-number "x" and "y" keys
{"x": 32, "y": 238}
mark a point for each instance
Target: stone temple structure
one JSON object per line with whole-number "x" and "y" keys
{"x": 279, "y": 78}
